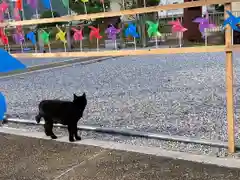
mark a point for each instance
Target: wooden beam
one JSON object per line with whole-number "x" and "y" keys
{"x": 127, "y": 52}
{"x": 229, "y": 84}
{"x": 118, "y": 13}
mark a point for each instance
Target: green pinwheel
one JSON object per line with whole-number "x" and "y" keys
{"x": 44, "y": 36}
{"x": 153, "y": 29}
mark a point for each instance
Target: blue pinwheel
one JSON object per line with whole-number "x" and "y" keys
{"x": 32, "y": 37}
{"x": 131, "y": 30}
{"x": 3, "y": 106}
{"x": 233, "y": 21}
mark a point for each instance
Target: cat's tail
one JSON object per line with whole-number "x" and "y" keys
{"x": 38, "y": 118}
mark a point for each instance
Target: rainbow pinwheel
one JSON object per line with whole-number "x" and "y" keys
{"x": 177, "y": 26}
{"x": 131, "y": 30}
{"x": 95, "y": 32}
{"x": 16, "y": 14}
{"x": 78, "y": 34}
{"x": 153, "y": 29}
{"x": 233, "y": 22}
{"x": 4, "y": 37}
{"x": 61, "y": 35}
{"x": 44, "y": 36}
{"x": 112, "y": 32}
{"x": 203, "y": 24}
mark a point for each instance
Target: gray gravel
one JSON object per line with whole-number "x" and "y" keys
{"x": 41, "y": 61}
{"x": 170, "y": 94}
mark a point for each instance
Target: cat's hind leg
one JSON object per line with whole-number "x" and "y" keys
{"x": 71, "y": 131}
{"x": 48, "y": 126}
{"x": 77, "y": 137}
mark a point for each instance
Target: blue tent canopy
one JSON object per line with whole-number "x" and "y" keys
{"x": 9, "y": 63}
{"x": 3, "y": 106}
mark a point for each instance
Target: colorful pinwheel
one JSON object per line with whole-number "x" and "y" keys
{"x": 47, "y": 4}
{"x": 4, "y": 37}
{"x": 32, "y": 37}
{"x": 95, "y": 32}
{"x": 177, "y": 26}
{"x": 203, "y": 24}
{"x": 44, "y": 36}
{"x": 18, "y": 38}
{"x": 19, "y": 5}
{"x": 16, "y": 14}
{"x": 131, "y": 30}
{"x": 61, "y": 35}
{"x": 233, "y": 22}
{"x": 78, "y": 34}
{"x": 153, "y": 29}
{"x": 4, "y": 6}
{"x": 32, "y": 3}
{"x": 112, "y": 32}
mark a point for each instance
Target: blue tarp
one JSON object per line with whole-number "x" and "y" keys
{"x": 3, "y": 106}
{"x": 9, "y": 63}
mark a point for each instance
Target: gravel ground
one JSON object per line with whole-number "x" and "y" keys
{"x": 42, "y": 61}
{"x": 170, "y": 94}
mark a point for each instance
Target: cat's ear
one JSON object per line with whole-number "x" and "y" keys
{"x": 84, "y": 95}
{"x": 74, "y": 97}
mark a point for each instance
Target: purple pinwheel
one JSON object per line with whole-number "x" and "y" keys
{"x": 18, "y": 38}
{"x": 32, "y": 3}
{"x": 204, "y": 24}
{"x": 112, "y": 32}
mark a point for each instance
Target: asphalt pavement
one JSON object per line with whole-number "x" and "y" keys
{"x": 29, "y": 158}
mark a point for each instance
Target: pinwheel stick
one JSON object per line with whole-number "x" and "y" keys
{"x": 135, "y": 44}
{"x": 115, "y": 44}
{"x": 103, "y": 7}
{"x": 97, "y": 45}
{"x": 85, "y": 7}
{"x": 180, "y": 39}
{"x": 65, "y": 48}
{"x": 156, "y": 40}
{"x": 206, "y": 36}
{"x": 49, "y": 48}
{"x": 81, "y": 45}
{"x": 21, "y": 45}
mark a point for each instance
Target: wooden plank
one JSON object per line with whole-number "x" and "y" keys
{"x": 229, "y": 85}
{"x": 118, "y": 13}
{"x": 201, "y": 49}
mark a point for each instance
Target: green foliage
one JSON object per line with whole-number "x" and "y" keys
{"x": 152, "y": 2}
{"x": 92, "y": 6}
{"x": 49, "y": 14}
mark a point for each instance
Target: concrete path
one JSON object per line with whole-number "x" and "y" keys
{"x": 40, "y": 159}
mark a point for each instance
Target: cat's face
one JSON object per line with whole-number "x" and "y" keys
{"x": 80, "y": 101}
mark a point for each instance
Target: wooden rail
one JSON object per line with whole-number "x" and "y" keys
{"x": 118, "y": 13}
{"x": 183, "y": 50}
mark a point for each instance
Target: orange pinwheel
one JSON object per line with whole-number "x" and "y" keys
{"x": 94, "y": 33}
{"x": 18, "y": 5}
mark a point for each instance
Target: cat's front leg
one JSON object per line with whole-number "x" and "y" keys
{"x": 77, "y": 137}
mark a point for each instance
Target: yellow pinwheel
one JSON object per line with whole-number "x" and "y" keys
{"x": 61, "y": 35}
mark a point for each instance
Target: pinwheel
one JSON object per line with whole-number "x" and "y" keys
{"x": 131, "y": 30}
{"x": 48, "y": 5}
{"x": 34, "y": 5}
{"x": 232, "y": 21}
{"x": 4, "y": 38}
{"x": 5, "y": 8}
{"x": 19, "y": 39}
{"x": 112, "y": 33}
{"x": 19, "y": 7}
{"x": 95, "y": 33}
{"x": 66, "y": 5}
{"x": 44, "y": 37}
{"x": 78, "y": 36}
{"x": 32, "y": 37}
{"x": 153, "y": 30}
{"x": 16, "y": 14}
{"x": 61, "y": 36}
{"x": 3, "y": 107}
{"x": 178, "y": 28}
{"x": 203, "y": 26}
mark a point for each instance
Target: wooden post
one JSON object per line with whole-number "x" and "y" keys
{"x": 229, "y": 85}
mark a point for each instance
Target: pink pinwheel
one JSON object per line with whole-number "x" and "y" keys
{"x": 177, "y": 26}
{"x": 112, "y": 32}
{"x": 3, "y": 6}
{"x": 32, "y": 3}
{"x": 78, "y": 34}
{"x": 16, "y": 14}
{"x": 204, "y": 24}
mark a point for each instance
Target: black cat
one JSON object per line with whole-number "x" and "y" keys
{"x": 62, "y": 112}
